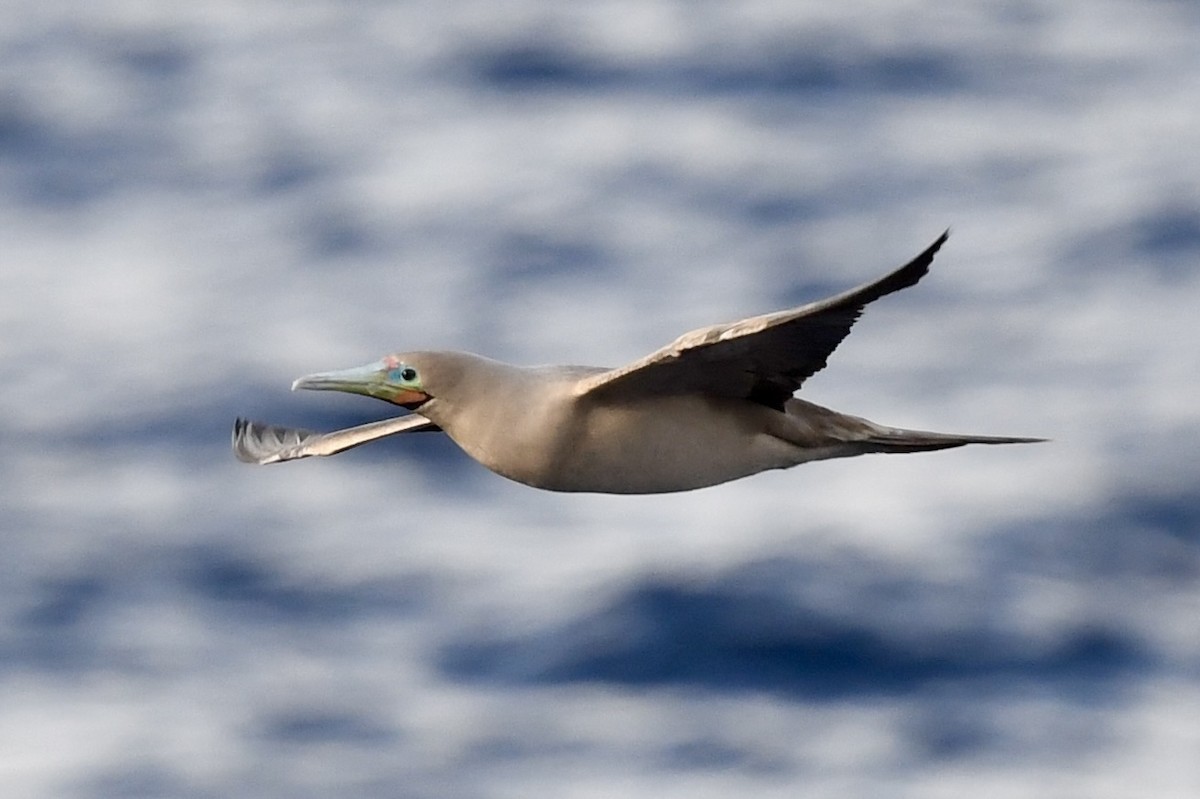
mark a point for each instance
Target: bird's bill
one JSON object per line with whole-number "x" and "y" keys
{"x": 370, "y": 381}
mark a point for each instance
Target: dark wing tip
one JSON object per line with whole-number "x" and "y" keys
{"x": 239, "y": 432}
{"x": 909, "y": 274}
{"x": 247, "y": 445}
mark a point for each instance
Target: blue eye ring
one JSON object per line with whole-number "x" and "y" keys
{"x": 404, "y": 374}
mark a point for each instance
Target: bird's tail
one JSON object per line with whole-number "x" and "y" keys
{"x": 838, "y": 435}
{"x": 898, "y": 440}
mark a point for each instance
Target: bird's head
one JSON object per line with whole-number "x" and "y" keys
{"x": 398, "y": 379}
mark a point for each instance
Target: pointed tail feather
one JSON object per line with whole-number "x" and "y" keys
{"x": 897, "y": 440}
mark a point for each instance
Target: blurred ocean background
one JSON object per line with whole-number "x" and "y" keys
{"x": 200, "y": 202}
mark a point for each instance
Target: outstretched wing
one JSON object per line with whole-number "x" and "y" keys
{"x": 255, "y": 442}
{"x": 764, "y": 358}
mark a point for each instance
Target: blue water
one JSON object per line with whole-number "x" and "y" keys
{"x": 200, "y": 204}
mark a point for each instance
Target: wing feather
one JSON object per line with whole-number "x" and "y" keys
{"x": 764, "y": 358}
{"x": 255, "y": 442}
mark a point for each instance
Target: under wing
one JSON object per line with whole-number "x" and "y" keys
{"x": 255, "y": 442}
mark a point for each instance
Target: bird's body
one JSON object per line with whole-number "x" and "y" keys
{"x": 713, "y": 406}
{"x": 685, "y": 441}
{"x": 567, "y": 442}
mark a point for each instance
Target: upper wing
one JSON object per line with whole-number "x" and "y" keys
{"x": 254, "y": 442}
{"x": 764, "y": 358}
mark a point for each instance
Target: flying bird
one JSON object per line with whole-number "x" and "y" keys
{"x": 714, "y": 405}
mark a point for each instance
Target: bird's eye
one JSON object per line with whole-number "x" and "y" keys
{"x": 402, "y": 373}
